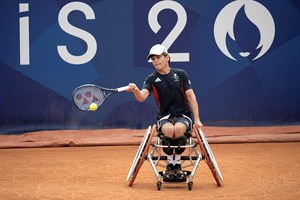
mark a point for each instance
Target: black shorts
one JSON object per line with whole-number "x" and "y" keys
{"x": 173, "y": 120}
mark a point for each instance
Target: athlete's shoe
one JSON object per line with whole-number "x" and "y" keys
{"x": 177, "y": 166}
{"x": 170, "y": 167}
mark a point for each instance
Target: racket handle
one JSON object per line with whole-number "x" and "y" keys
{"x": 122, "y": 89}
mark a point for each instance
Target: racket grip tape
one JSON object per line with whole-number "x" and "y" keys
{"x": 122, "y": 89}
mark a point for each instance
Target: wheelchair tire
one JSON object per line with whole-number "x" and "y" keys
{"x": 209, "y": 157}
{"x": 140, "y": 155}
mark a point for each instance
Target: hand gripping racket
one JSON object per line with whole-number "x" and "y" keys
{"x": 85, "y": 95}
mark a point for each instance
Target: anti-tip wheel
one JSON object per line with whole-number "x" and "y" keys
{"x": 190, "y": 185}
{"x": 158, "y": 185}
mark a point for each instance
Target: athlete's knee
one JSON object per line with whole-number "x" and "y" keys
{"x": 179, "y": 129}
{"x": 168, "y": 130}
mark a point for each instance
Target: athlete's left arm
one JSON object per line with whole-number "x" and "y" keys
{"x": 194, "y": 106}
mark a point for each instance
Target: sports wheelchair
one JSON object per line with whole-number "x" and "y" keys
{"x": 190, "y": 161}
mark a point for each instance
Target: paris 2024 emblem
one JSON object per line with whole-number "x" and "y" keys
{"x": 257, "y": 14}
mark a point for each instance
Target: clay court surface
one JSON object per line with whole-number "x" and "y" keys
{"x": 257, "y": 170}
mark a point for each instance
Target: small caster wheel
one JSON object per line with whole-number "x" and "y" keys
{"x": 158, "y": 185}
{"x": 190, "y": 185}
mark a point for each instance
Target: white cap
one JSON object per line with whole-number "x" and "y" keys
{"x": 157, "y": 49}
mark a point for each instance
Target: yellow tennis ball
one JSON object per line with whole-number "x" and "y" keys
{"x": 93, "y": 106}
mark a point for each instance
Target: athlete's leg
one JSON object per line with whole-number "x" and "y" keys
{"x": 168, "y": 130}
{"x": 182, "y": 125}
{"x": 174, "y": 172}
{"x": 174, "y": 135}
{"x": 179, "y": 129}
{"x": 166, "y": 127}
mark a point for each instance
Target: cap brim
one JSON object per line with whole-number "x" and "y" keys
{"x": 154, "y": 54}
{"x": 148, "y": 57}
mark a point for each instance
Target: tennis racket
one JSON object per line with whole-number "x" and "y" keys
{"x": 85, "y": 95}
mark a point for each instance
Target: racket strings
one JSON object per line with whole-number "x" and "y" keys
{"x": 83, "y": 97}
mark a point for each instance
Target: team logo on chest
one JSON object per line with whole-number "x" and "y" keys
{"x": 176, "y": 77}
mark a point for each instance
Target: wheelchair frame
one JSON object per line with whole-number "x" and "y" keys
{"x": 193, "y": 158}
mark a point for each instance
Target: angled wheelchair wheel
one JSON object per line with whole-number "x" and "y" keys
{"x": 140, "y": 155}
{"x": 209, "y": 157}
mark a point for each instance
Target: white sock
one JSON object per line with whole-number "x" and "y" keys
{"x": 170, "y": 159}
{"x": 173, "y": 159}
{"x": 177, "y": 159}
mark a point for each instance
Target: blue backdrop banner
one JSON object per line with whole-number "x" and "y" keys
{"x": 242, "y": 57}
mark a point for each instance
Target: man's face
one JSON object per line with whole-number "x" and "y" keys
{"x": 160, "y": 61}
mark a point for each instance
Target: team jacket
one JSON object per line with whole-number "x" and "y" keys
{"x": 169, "y": 92}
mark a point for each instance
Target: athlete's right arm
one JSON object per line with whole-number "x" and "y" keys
{"x": 140, "y": 95}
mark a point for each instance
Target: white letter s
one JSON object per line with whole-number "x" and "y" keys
{"x": 72, "y": 30}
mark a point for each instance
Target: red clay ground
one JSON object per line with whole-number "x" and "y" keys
{"x": 253, "y": 171}
{"x": 256, "y": 163}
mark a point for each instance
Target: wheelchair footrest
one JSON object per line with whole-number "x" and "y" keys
{"x": 174, "y": 175}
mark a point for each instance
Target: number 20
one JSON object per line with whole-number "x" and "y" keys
{"x": 175, "y": 32}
